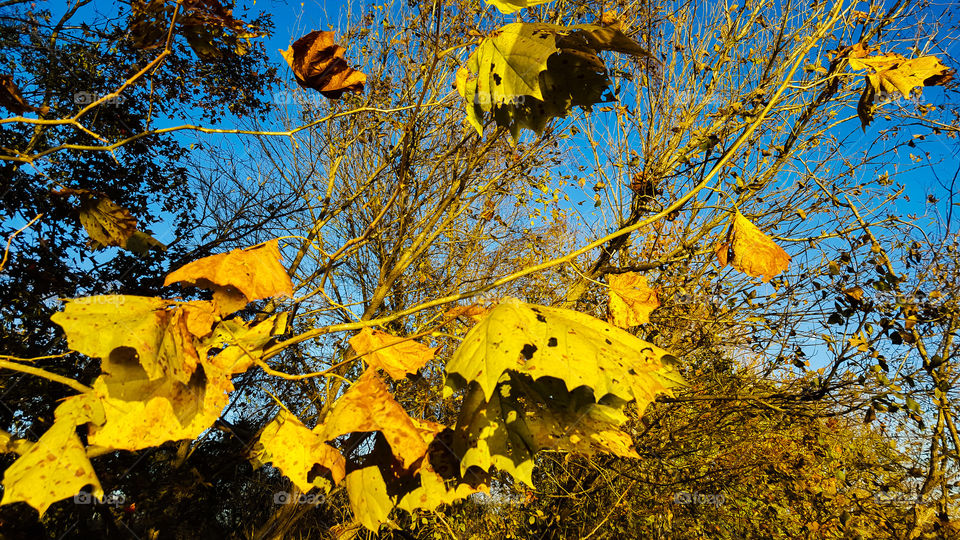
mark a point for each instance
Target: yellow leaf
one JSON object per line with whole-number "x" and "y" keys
{"x": 238, "y": 277}
{"x": 369, "y": 406}
{"x": 112, "y": 326}
{"x": 753, "y": 252}
{"x": 241, "y": 345}
{"x": 440, "y": 481}
{"x": 631, "y": 299}
{"x": 296, "y": 450}
{"x": 140, "y": 413}
{"x": 511, "y": 6}
{"x": 54, "y": 468}
{"x": 397, "y": 356}
{"x": 542, "y": 341}
{"x": 369, "y": 500}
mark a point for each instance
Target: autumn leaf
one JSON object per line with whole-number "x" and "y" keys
{"x": 240, "y": 344}
{"x": 299, "y": 453}
{"x": 110, "y": 225}
{"x": 369, "y": 406}
{"x": 524, "y": 417}
{"x": 397, "y": 356}
{"x": 631, "y": 299}
{"x": 140, "y": 413}
{"x": 511, "y": 6}
{"x": 559, "y": 68}
{"x": 158, "y": 338}
{"x": 369, "y": 500}
{"x": 542, "y": 341}
{"x": 53, "y": 468}
{"x": 473, "y": 312}
{"x": 238, "y": 277}
{"x": 893, "y": 73}
{"x": 751, "y": 251}
{"x": 11, "y": 99}
{"x": 438, "y": 480}
{"x": 317, "y": 62}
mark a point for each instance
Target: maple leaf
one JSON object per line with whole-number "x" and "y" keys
{"x": 631, "y": 299}
{"x": 317, "y": 62}
{"x": 397, "y": 356}
{"x": 511, "y": 6}
{"x": 369, "y": 500}
{"x": 750, "y": 251}
{"x": 526, "y": 73}
{"x": 238, "y": 277}
{"x": 524, "y": 417}
{"x": 298, "y": 452}
{"x": 117, "y": 327}
{"x": 11, "y": 99}
{"x": 893, "y": 73}
{"x": 543, "y": 341}
{"x": 53, "y": 468}
{"x": 368, "y": 406}
{"x": 139, "y": 413}
{"x": 110, "y": 225}
{"x": 240, "y": 344}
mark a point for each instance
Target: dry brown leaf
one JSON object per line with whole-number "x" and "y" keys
{"x": 473, "y": 312}
{"x": 238, "y": 277}
{"x": 753, "y": 252}
{"x": 631, "y": 299}
{"x": 11, "y": 99}
{"x": 397, "y": 356}
{"x": 318, "y": 63}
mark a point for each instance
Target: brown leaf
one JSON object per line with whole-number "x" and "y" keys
{"x": 397, "y": 356}
{"x": 238, "y": 277}
{"x": 318, "y": 63}
{"x": 631, "y": 299}
{"x": 753, "y": 252}
{"x": 11, "y": 99}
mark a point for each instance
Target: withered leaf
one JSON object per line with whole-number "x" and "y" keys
{"x": 108, "y": 224}
{"x": 318, "y": 63}
{"x": 11, "y": 99}
{"x": 751, "y": 251}
{"x": 631, "y": 299}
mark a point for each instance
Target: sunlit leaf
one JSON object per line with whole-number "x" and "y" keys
{"x": 751, "y": 251}
{"x": 369, "y": 406}
{"x": 299, "y": 453}
{"x": 238, "y": 277}
{"x": 542, "y": 341}
{"x": 511, "y": 6}
{"x": 397, "y": 356}
{"x": 631, "y": 299}
{"x": 317, "y": 62}
{"x": 54, "y": 468}
{"x": 369, "y": 500}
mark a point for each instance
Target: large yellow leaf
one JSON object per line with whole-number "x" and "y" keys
{"x": 511, "y": 6}
{"x": 369, "y": 500}
{"x": 751, "y": 251}
{"x": 631, "y": 299}
{"x": 114, "y": 325}
{"x": 369, "y": 406}
{"x": 54, "y": 468}
{"x": 238, "y": 277}
{"x": 397, "y": 356}
{"x": 542, "y": 341}
{"x": 296, "y": 451}
{"x": 524, "y": 417}
{"x": 140, "y": 413}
